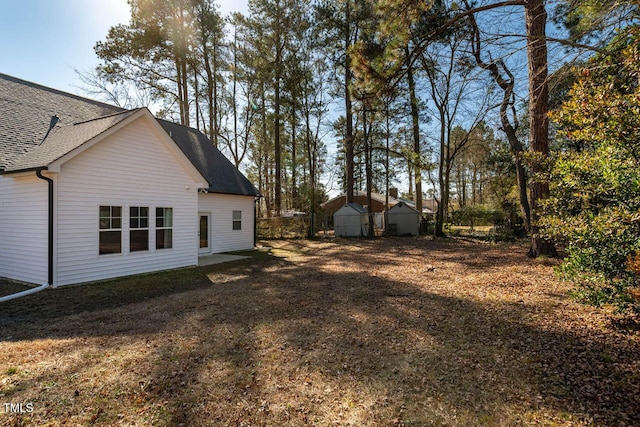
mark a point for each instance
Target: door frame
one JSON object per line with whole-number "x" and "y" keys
{"x": 207, "y": 250}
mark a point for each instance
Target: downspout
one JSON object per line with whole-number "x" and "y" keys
{"x": 255, "y": 221}
{"x": 50, "y": 247}
{"x": 50, "y": 226}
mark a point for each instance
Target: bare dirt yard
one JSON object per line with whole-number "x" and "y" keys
{"x": 397, "y": 331}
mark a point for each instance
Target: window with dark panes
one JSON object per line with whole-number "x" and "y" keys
{"x": 237, "y": 220}
{"x": 138, "y": 228}
{"x": 110, "y": 230}
{"x": 164, "y": 228}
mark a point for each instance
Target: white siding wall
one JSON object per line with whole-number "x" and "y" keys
{"x": 407, "y": 220}
{"x": 23, "y": 228}
{"x": 129, "y": 168}
{"x": 347, "y": 222}
{"x": 222, "y": 236}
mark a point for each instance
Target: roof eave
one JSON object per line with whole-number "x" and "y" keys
{"x": 210, "y": 191}
{"x": 16, "y": 171}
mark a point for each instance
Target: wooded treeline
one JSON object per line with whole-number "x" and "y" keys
{"x": 447, "y": 100}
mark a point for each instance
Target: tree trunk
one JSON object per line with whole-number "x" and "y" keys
{"x": 265, "y": 153}
{"x": 386, "y": 166}
{"x": 416, "y": 135}
{"x": 196, "y": 96}
{"x": 294, "y": 162}
{"x": 276, "y": 138}
{"x": 506, "y": 84}
{"x": 234, "y": 100}
{"x": 210, "y": 97}
{"x": 368, "y": 172}
{"x": 349, "y": 142}
{"x": 215, "y": 130}
{"x": 444, "y": 189}
{"x": 311, "y": 161}
{"x": 185, "y": 91}
{"x": 536, "y": 19}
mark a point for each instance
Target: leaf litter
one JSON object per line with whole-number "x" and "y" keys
{"x": 393, "y": 331}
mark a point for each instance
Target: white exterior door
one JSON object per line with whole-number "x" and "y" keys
{"x": 203, "y": 233}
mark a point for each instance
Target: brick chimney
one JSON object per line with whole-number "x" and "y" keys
{"x": 393, "y": 192}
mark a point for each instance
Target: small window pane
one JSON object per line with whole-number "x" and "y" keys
{"x": 116, "y": 222}
{"x": 144, "y": 223}
{"x": 164, "y": 217}
{"x": 139, "y": 240}
{"x": 135, "y": 222}
{"x": 110, "y": 242}
{"x": 144, "y": 212}
{"x": 104, "y": 223}
{"x": 237, "y": 215}
{"x": 159, "y": 217}
{"x": 164, "y": 239}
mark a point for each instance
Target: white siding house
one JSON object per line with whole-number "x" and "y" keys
{"x": 351, "y": 220}
{"x": 403, "y": 220}
{"x": 231, "y": 220}
{"x": 23, "y": 228}
{"x": 130, "y": 168}
{"x": 129, "y": 191}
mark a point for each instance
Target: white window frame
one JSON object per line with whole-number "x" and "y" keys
{"x": 109, "y": 228}
{"x": 139, "y": 226}
{"x": 164, "y": 226}
{"x": 236, "y": 220}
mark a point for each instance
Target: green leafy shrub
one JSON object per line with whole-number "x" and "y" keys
{"x": 594, "y": 208}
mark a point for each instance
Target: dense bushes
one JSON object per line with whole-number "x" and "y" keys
{"x": 594, "y": 208}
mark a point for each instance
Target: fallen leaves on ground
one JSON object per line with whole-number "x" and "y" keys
{"x": 394, "y": 331}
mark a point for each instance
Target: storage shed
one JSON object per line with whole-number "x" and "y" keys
{"x": 351, "y": 220}
{"x": 403, "y": 220}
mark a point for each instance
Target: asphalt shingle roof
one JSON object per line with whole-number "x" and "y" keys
{"x": 27, "y": 142}
{"x": 222, "y": 175}
{"x": 25, "y": 114}
{"x": 62, "y": 140}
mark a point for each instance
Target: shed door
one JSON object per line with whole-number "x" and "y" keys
{"x": 203, "y": 233}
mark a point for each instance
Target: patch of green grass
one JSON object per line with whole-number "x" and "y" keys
{"x": 12, "y": 371}
{"x": 75, "y": 299}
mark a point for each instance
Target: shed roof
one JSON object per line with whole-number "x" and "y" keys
{"x": 401, "y": 205}
{"x": 356, "y": 207}
{"x": 374, "y": 196}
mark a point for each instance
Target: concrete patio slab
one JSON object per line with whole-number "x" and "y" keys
{"x": 218, "y": 259}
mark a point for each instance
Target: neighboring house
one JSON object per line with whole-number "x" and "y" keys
{"x": 378, "y": 202}
{"x": 403, "y": 220}
{"x": 351, "y": 220}
{"x": 429, "y": 206}
{"x": 90, "y": 191}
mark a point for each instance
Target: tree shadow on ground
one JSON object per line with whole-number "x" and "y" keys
{"x": 417, "y": 357}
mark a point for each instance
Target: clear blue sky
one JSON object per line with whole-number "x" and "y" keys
{"x": 43, "y": 41}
